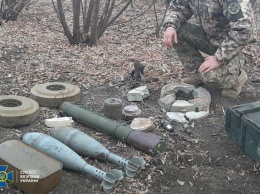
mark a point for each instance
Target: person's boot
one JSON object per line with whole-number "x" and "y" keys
{"x": 236, "y": 89}
{"x": 194, "y": 79}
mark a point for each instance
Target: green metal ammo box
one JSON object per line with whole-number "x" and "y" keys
{"x": 243, "y": 126}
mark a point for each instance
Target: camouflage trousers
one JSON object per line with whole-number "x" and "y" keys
{"x": 191, "y": 40}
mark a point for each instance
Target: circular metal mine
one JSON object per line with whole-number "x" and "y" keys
{"x": 55, "y": 87}
{"x": 17, "y": 110}
{"x": 130, "y": 112}
{"x": 54, "y": 93}
{"x": 10, "y": 103}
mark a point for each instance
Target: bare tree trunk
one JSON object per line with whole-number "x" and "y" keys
{"x": 96, "y": 18}
{"x": 107, "y": 14}
{"x": 76, "y": 13}
{"x": 84, "y": 11}
{"x": 18, "y": 9}
{"x": 10, "y": 3}
{"x": 106, "y": 11}
{"x": 10, "y": 9}
{"x": 63, "y": 22}
{"x": 94, "y": 23}
{"x": 253, "y": 2}
{"x": 88, "y": 18}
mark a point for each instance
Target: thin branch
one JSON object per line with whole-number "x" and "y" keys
{"x": 104, "y": 15}
{"x": 159, "y": 27}
{"x": 142, "y": 14}
{"x": 119, "y": 13}
{"x": 103, "y": 26}
{"x": 7, "y": 13}
{"x": 156, "y": 19}
{"x": 114, "y": 18}
{"x": 55, "y": 9}
{"x": 18, "y": 9}
{"x": 89, "y": 14}
{"x": 63, "y": 22}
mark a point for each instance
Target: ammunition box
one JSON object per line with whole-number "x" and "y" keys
{"x": 243, "y": 126}
{"x": 28, "y": 169}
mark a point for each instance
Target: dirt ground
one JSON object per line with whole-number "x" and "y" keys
{"x": 206, "y": 162}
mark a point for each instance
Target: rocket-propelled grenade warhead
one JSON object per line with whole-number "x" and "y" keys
{"x": 70, "y": 159}
{"x": 85, "y": 145}
{"x": 147, "y": 142}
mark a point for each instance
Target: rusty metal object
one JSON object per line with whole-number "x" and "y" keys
{"x": 113, "y": 108}
{"x": 146, "y": 142}
{"x": 44, "y": 173}
{"x": 149, "y": 142}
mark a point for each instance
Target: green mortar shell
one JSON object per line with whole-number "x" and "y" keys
{"x": 96, "y": 121}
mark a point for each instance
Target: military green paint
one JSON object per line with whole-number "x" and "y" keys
{"x": 243, "y": 126}
{"x": 146, "y": 142}
{"x": 113, "y": 108}
{"x": 95, "y": 121}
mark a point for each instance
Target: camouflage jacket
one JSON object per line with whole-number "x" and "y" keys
{"x": 229, "y": 24}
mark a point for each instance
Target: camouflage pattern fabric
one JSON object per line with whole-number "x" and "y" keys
{"x": 225, "y": 76}
{"x": 191, "y": 39}
{"x": 224, "y": 28}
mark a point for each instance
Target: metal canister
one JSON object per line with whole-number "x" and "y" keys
{"x": 167, "y": 126}
{"x": 130, "y": 112}
{"x": 187, "y": 128}
{"x": 113, "y": 108}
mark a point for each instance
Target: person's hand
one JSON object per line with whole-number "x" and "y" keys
{"x": 169, "y": 34}
{"x": 209, "y": 64}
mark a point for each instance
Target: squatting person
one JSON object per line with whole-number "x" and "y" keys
{"x": 222, "y": 30}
